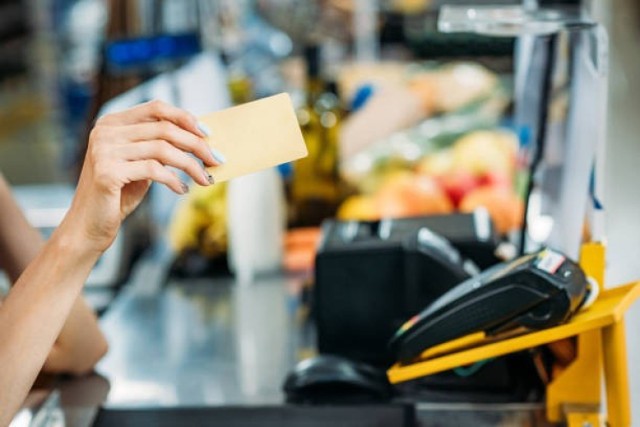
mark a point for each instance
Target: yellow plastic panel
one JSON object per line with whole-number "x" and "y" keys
{"x": 609, "y": 308}
{"x": 580, "y": 383}
{"x": 614, "y": 348}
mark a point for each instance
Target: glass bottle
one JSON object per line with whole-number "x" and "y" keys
{"x": 316, "y": 185}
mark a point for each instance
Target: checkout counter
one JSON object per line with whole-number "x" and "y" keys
{"x": 214, "y": 352}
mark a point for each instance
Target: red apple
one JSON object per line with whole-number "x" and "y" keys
{"x": 495, "y": 179}
{"x": 458, "y": 184}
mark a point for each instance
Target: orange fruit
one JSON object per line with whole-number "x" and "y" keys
{"x": 359, "y": 208}
{"x": 505, "y": 208}
{"x": 412, "y": 196}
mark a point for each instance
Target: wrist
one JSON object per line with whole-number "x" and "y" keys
{"x": 69, "y": 240}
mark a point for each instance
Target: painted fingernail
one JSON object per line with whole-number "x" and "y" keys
{"x": 185, "y": 188}
{"x": 218, "y": 156}
{"x": 209, "y": 177}
{"x": 204, "y": 129}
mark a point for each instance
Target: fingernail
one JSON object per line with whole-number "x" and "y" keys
{"x": 218, "y": 156}
{"x": 185, "y": 188}
{"x": 209, "y": 177}
{"x": 204, "y": 129}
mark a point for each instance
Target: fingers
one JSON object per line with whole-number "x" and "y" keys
{"x": 152, "y": 170}
{"x": 168, "y": 155}
{"x": 153, "y": 135}
{"x": 173, "y": 134}
{"x": 156, "y": 111}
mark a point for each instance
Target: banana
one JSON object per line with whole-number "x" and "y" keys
{"x": 199, "y": 221}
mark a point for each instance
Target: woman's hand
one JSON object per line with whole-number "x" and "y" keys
{"x": 126, "y": 152}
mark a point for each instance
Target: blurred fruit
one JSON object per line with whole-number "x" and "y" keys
{"x": 505, "y": 208}
{"x": 415, "y": 195}
{"x": 495, "y": 179}
{"x": 483, "y": 152}
{"x": 300, "y": 248}
{"x": 397, "y": 179}
{"x": 303, "y": 236}
{"x": 458, "y": 184}
{"x": 185, "y": 227}
{"x": 436, "y": 164}
{"x": 359, "y": 208}
{"x": 299, "y": 259}
{"x": 371, "y": 181}
{"x": 199, "y": 221}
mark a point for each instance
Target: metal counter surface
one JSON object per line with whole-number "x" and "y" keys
{"x": 201, "y": 341}
{"x": 213, "y": 342}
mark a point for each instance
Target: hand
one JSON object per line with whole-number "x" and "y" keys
{"x": 126, "y": 152}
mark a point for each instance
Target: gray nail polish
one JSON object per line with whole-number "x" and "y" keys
{"x": 209, "y": 177}
{"x": 204, "y": 129}
{"x": 185, "y": 188}
{"x": 218, "y": 156}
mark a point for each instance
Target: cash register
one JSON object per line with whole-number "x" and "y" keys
{"x": 533, "y": 292}
{"x": 371, "y": 276}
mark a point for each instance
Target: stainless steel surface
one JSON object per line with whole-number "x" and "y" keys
{"x": 201, "y": 342}
{"x": 211, "y": 343}
{"x": 50, "y": 413}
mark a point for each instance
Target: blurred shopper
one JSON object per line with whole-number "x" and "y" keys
{"x": 44, "y": 322}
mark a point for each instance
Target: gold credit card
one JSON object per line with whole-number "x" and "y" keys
{"x": 255, "y": 136}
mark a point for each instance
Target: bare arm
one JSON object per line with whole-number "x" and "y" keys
{"x": 126, "y": 152}
{"x": 35, "y": 311}
{"x": 80, "y": 343}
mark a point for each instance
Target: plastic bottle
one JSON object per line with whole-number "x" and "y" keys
{"x": 256, "y": 212}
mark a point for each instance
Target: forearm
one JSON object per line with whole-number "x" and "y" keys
{"x": 80, "y": 343}
{"x": 35, "y": 311}
{"x": 19, "y": 241}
